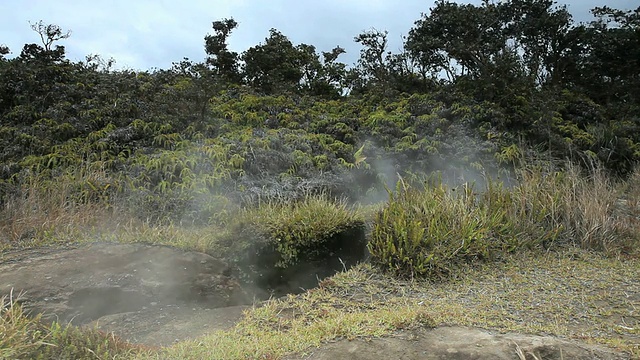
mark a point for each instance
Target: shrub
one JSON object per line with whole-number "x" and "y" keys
{"x": 428, "y": 232}
{"x": 280, "y": 235}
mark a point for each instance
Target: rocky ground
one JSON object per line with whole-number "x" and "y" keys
{"x": 147, "y": 294}
{"x": 460, "y": 343}
{"x": 157, "y": 296}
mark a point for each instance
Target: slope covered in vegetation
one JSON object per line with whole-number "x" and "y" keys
{"x": 286, "y": 147}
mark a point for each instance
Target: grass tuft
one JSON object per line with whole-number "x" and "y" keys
{"x": 25, "y": 337}
{"x": 282, "y": 234}
{"x": 429, "y": 231}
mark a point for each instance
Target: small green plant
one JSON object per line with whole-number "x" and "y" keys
{"x": 284, "y": 233}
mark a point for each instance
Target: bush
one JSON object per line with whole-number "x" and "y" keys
{"x": 431, "y": 231}
{"x": 428, "y": 232}
{"x": 281, "y": 235}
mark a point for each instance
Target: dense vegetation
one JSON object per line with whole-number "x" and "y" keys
{"x": 259, "y": 145}
{"x": 260, "y": 142}
{"x": 202, "y": 142}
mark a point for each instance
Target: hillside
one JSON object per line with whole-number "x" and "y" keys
{"x": 474, "y": 147}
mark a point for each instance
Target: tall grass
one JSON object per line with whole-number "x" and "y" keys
{"x": 85, "y": 204}
{"x": 39, "y": 209}
{"x": 422, "y": 229}
{"x": 578, "y": 206}
{"x": 430, "y": 230}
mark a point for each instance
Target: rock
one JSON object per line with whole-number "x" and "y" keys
{"x": 137, "y": 284}
{"x": 161, "y": 326}
{"x": 459, "y": 343}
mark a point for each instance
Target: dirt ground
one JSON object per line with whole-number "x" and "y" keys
{"x": 158, "y": 295}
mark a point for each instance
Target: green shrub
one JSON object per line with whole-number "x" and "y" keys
{"x": 279, "y": 234}
{"x": 428, "y": 232}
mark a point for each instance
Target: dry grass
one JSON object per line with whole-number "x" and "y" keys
{"x": 26, "y": 337}
{"x": 580, "y": 206}
{"x": 39, "y": 216}
{"x": 51, "y": 215}
{"x": 578, "y": 295}
{"x": 574, "y": 294}
{"x": 17, "y": 336}
{"x": 295, "y": 323}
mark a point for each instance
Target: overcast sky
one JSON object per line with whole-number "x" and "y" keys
{"x": 145, "y": 34}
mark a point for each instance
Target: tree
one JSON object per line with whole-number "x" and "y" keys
{"x": 4, "y": 50}
{"x": 468, "y": 39}
{"x": 540, "y": 32}
{"x": 187, "y": 90}
{"x": 373, "y": 55}
{"x": 380, "y": 69}
{"x": 32, "y": 79}
{"x": 333, "y": 75}
{"x": 460, "y": 40}
{"x": 223, "y": 61}
{"x": 504, "y": 50}
{"x": 322, "y": 76}
{"x": 606, "y": 65}
{"x": 49, "y": 33}
{"x": 277, "y": 65}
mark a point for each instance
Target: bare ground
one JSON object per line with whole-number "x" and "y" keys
{"x": 153, "y": 295}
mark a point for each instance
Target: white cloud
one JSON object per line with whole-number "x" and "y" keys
{"x": 153, "y": 33}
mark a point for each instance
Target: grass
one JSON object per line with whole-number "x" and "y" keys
{"x": 292, "y": 231}
{"x": 579, "y": 295}
{"x": 579, "y": 206}
{"x": 578, "y": 280}
{"x": 295, "y": 324}
{"x": 25, "y": 337}
{"x": 429, "y": 230}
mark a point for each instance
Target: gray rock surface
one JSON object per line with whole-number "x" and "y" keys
{"x": 459, "y": 343}
{"x": 143, "y": 293}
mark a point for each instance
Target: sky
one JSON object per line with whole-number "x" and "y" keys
{"x": 147, "y": 34}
